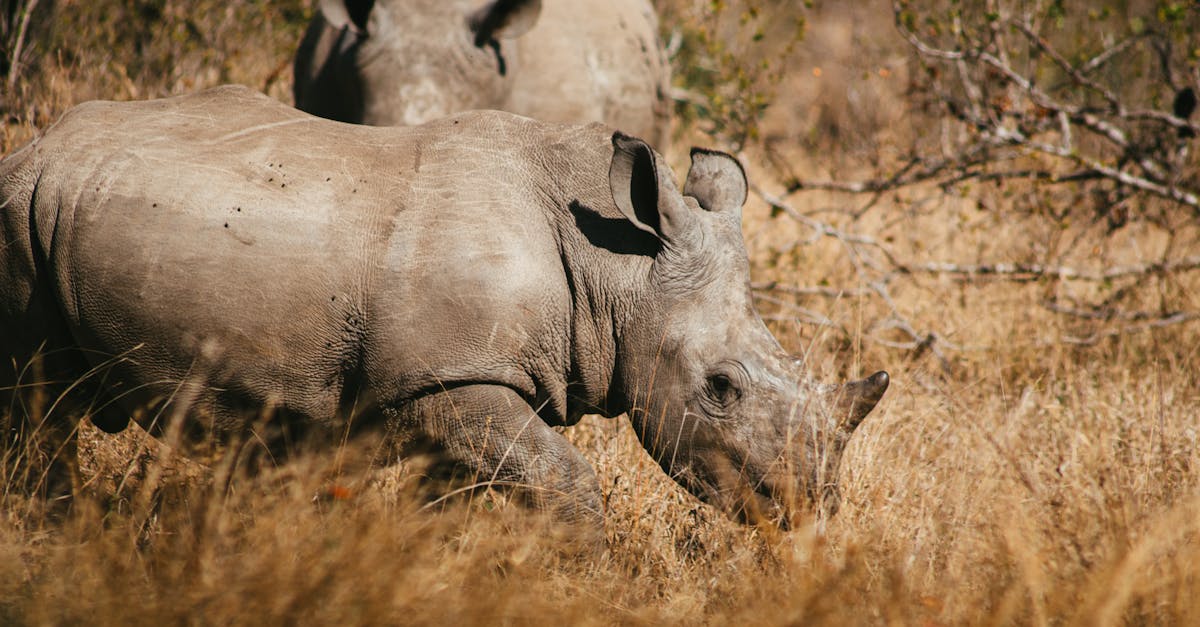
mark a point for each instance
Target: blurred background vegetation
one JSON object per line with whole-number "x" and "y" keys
{"x": 60, "y": 52}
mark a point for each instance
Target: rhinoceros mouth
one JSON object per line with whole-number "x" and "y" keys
{"x": 745, "y": 504}
{"x": 726, "y": 484}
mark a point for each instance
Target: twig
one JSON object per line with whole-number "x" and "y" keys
{"x": 1158, "y": 323}
{"x": 925, "y": 50}
{"x": 1095, "y": 62}
{"x": 14, "y": 66}
{"x": 814, "y": 317}
{"x": 798, "y": 290}
{"x": 1106, "y": 313}
{"x": 1032, "y": 271}
{"x": 1075, "y": 73}
{"x": 821, "y": 228}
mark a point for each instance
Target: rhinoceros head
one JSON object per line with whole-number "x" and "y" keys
{"x": 417, "y": 60}
{"x": 712, "y": 395}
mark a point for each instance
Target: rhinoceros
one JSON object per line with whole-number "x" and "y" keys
{"x": 469, "y": 284}
{"x": 393, "y": 62}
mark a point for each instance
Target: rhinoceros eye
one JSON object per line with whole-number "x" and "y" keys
{"x": 720, "y": 388}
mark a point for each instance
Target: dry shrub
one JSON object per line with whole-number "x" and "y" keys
{"x": 1031, "y": 481}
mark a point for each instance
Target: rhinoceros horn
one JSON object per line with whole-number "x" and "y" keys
{"x": 854, "y": 400}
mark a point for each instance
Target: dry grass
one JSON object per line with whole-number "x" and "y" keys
{"x": 1033, "y": 483}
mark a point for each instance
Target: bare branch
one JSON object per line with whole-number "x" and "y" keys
{"x": 1158, "y": 323}
{"x": 925, "y": 50}
{"x": 798, "y": 290}
{"x": 915, "y": 170}
{"x": 802, "y": 313}
{"x": 1169, "y": 192}
{"x": 1008, "y": 126}
{"x": 923, "y": 342}
{"x": 1076, "y": 75}
{"x": 1161, "y": 116}
{"x": 1105, "y": 56}
{"x": 1107, "y": 313}
{"x": 820, "y": 228}
{"x": 14, "y": 67}
{"x": 1034, "y": 271}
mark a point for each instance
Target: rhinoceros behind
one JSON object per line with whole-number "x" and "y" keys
{"x": 469, "y": 283}
{"x": 404, "y": 62}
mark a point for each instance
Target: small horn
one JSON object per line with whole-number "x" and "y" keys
{"x": 856, "y": 399}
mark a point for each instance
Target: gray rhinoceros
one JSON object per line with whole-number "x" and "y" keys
{"x": 393, "y": 62}
{"x": 468, "y": 284}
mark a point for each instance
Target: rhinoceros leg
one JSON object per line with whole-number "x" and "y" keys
{"x": 38, "y": 420}
{"x": 492, "y": 431}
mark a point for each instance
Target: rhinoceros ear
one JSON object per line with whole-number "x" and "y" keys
{"x": 716, "y": 180}
{"x": 644, "y": 192}
{"x": 503, "y": 19}
{"x": 351, "y": 13}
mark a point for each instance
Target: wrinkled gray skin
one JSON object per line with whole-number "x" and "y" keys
{"x": 467, "y": 284}
{"x": 406, "y": 62}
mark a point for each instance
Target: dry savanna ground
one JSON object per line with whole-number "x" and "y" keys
{"x": 1025, "y": 467}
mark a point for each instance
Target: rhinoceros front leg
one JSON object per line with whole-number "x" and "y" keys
{"x": 492, "y": 431}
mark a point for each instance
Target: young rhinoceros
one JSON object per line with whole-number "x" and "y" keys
{"x": 469, "y": 284}
{"x": 393, "y": 62}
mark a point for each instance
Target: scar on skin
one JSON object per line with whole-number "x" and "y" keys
{"x": 262, "y": 127}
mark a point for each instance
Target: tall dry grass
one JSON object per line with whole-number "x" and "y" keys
{"x": 1029, "y": 481}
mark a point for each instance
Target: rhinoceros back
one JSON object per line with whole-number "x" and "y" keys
{"x": 229, "y": 252}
